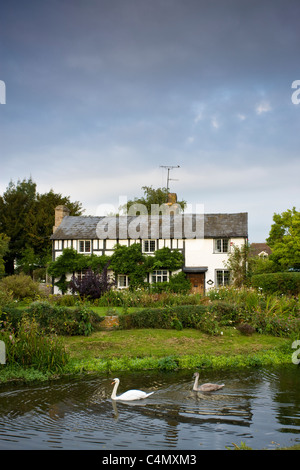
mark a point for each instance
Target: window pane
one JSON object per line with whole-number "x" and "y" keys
{"x": 160, "y": 276}
{"x": 87, "y": 246}
{"x": 226, "y": 278}
{"x": 149, "y": 246}
{"x": 219, "y": 278}
{"x": 223, "y": 277}
{"x": 225, "y": 245}
{"x": 122, "y": 280}
{"x": 152, "y": 245}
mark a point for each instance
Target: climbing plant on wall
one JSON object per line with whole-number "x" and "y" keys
{"x": 70, "y": 261}
{"x": 127, "y": 260}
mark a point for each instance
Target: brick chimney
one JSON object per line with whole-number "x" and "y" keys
{"x": 60, "y": 213}
{"x": 171, "y": 207}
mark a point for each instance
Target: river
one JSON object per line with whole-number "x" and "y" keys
{"x": 260, "y": 407}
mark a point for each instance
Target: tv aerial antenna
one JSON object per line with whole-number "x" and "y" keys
{"x": 171, "y": 167}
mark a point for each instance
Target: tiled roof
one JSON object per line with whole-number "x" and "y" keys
{"x": 258, "y": 248}
{"x": 158, "y": 226}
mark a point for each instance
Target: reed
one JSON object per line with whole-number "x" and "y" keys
{"x": 29, "y": 347}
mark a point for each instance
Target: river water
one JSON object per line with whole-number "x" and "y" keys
{"x": 260, "y": 407}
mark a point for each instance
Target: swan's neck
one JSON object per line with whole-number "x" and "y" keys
{"x": 114, "y": 392}
{"x": 196, "y": 382}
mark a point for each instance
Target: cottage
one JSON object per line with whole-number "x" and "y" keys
{"x": 205, "y": 240}
{"x": 260, "y": 249}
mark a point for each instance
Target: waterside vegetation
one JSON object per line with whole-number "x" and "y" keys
{"x": 47, "y": 336}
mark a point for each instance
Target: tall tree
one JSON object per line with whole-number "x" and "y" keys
{"x": 284, "y": 239}
{"x": 27, "y": 218}
{"x": 39, "y": 221}
{"x": 152, "y": 196}
{"x": 14, "y": 206}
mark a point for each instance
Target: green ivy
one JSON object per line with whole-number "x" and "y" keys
{"x": 127, "y": 260}
{"x": 132, "y": 262}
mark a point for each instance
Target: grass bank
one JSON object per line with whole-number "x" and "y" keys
{"x": 163, "y": 349}
{"x": 160, "y": 349}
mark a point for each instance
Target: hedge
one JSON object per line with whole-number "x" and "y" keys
{"x": 287, "y": 283}
{"x": 53, "y": 319}
{"x": 181, "y": 316}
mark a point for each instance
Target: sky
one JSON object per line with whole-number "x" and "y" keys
{"x": 98, "y": 96}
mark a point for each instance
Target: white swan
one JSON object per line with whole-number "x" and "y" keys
{"x": 129, "y": 395}
{"x": 205, "y": 387}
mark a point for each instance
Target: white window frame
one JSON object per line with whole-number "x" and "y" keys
{"x": 221, "y": 245}
{"x": 81, "y": 274}
{"x": 87, "y": 246}
{"x": 149, "y": 246}
{"x": 122, "y": 281}
{"x": 159, "y": 275}
{"x": 224, "y": 274}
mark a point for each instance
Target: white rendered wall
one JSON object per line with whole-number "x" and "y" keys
{"x": 200, "y": 253}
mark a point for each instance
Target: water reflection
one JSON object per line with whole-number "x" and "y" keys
{"x": 256, "y": 406}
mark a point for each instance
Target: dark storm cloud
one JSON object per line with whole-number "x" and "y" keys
{"x": 116, "y": 88}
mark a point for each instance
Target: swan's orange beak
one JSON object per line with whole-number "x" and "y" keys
{"x": 113, "y": 382}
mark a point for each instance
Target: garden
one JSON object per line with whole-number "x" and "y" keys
{"x": 47, "y": 336}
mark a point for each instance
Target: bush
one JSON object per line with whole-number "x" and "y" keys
{"x": 226, "y": 313}
{"x": 62, "y": 320}
{"x": 178, "y": 284}
{"x": 287, "y": 283}
{"x": 21, "y": 287}
{"x": 11, "y": 315}
{"x": 245, "y": 329}
{"x": 178, "y": 317}
{"x": 92, "y": 285}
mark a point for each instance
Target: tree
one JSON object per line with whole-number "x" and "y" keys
{"x": 284, "y": 239}
{"x": 40, "y": 220}
{"x": 27, "y": 218}
{"x": 152, "y": 196}
{"x": 238, "y": 264}
{"x": 4, "y": 241}
{"x": 14, "y": 206}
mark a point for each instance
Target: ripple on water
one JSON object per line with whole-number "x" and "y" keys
{"x": 79, "y": 414}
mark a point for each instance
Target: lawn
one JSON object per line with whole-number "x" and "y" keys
{"x": 162, "y": 343}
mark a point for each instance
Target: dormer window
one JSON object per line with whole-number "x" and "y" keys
{"x": 84, "y": 246}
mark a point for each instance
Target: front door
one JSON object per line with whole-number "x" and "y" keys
{"x": 197, "y": 280}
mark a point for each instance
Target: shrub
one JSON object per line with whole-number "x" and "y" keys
{"x": 63, "y": 320}
{"x": 21, "y": 286}
{"x": 209, "y": 324}
{"x": 178, "y": 283}
{"x": 280, "y": 283}
{"x": 11, "y": 315}
{"x": 92, "y": 285}
{"x": 178, "y": 317}
{"x": 226, "y": 313}
{"x": 245, "y": 329}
